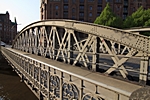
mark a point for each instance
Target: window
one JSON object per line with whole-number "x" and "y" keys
{"x": 108, "y": 0}
{"x": 56, "y": 13}
{"x": 99, "y": 1}
{"x": 90, "y": 7}
{"x": 125, "y": 9}
{"x": 124, "y": 16}
{"x": 90, "y": 14}
{"x": 73, "y": 17}
{"x": 99, "y": 8}
{"x": 81, "y": 1}
{"x": 126, "y": 3}
{"x": 65, "y": 7}
{"x": 90, "y": 0}
{"x": 98, "y": 14}
{"x": 56, "y": 7}
{"x": 81, "y": 14}
{"x": 81, "y": 7}
{"x": 65, "y": 1}
{"x": 73, "y": 10}
{"x": 65, "y": 14}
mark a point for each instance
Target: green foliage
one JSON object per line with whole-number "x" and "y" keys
{"x": 128, "y": 22}
{"x": 108, "y": 18}
{"x": 147, "y": 23}
{"x": 135, "y": 20}
{"x": 146, "y": 17}
{"x": 139, "y": 18}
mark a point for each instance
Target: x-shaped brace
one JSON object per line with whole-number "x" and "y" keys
{"x": 84, "y": 49}
{"x": 118, "y": 62}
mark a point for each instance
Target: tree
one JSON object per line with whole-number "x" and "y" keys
{"x": 146, "y": 17}
{"x": 108, "y": 18}
{"x": 128, "y": 23}
{"x": 147, "y": 23}
{"x": 139, "y": 18}
{"x": 136, "y": 19}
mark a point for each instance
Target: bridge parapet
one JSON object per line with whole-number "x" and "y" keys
{"x": 53, "y": 82}
{"x": 82, "y": 43}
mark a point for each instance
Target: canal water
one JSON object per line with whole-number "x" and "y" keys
{"x": 10, "y": 86}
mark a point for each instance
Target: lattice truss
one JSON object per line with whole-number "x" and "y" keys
{"x": 83, "y": 47}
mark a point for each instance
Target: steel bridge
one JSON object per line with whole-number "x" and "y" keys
{"x": 72, "y": 60}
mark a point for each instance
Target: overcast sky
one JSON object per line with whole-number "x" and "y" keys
{"x": 25, "y": 11}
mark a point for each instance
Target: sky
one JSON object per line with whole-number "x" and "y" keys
{"x": 25, "y": 11}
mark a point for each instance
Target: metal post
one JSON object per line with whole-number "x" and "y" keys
{"x": 70, "y": 47}
{"x": 144, "y": 69}
{"x": 61, "y": 86}
{"x": 54, "y": 42}
{"x": 95, "y": 55}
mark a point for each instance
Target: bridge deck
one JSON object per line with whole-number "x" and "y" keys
{"x": 109, "y": 81}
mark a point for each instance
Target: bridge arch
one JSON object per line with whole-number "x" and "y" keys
{"x": 57, "y": 39}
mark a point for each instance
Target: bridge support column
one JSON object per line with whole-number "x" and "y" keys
{"x": 144, "y": 70}
{"x": 70, "y": 47}
{"x": 95, "y": 53}
{"x": 54, "y": 42}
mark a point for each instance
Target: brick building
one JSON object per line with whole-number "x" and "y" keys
{"x": 8, "y": 29}
{"x": 88, "y": 10}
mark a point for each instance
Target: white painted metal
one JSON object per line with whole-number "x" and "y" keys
{"x": 48, "y": 40}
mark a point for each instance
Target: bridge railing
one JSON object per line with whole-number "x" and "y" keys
{"x": 81, "y": 43}
{"x": 49, "y": 82}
